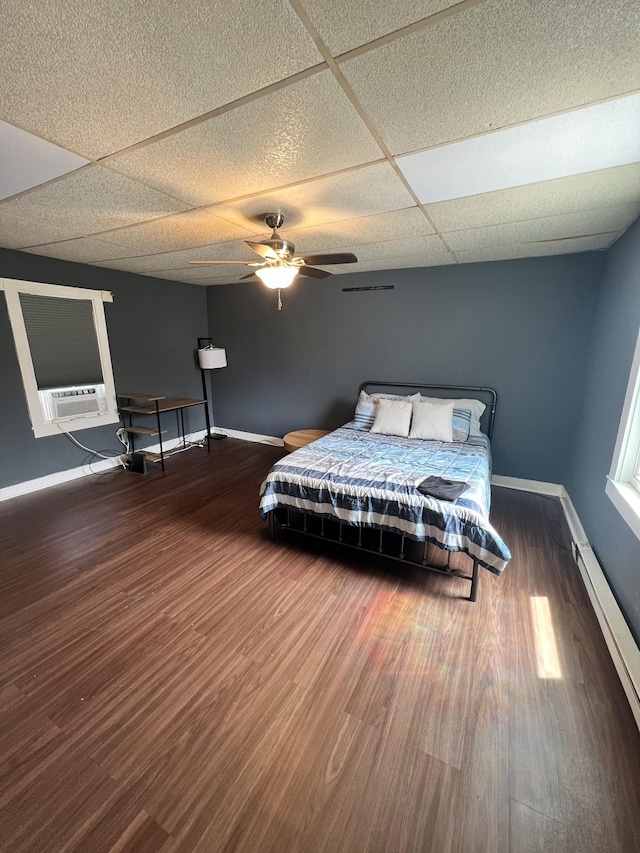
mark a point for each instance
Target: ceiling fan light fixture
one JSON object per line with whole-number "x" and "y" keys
{"x": 277, "y": 278}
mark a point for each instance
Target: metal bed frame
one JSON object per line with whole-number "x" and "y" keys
{"x": 281, "y": 519}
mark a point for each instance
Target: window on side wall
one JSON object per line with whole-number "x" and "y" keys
{"x": 60, "y": 335}
{"x": 623, "y": 482}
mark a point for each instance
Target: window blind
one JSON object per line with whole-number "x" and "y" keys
{"x": 62, "y": 339}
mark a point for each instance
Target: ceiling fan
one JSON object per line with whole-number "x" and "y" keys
{"x": 279, "y": 264}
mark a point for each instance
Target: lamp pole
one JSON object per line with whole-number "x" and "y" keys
{"x": 207, "y": 343}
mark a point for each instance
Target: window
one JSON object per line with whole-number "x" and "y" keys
{"x": 623, "y": 483}
{"x": 61, "y": 341}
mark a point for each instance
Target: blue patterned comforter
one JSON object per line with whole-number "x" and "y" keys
{"x": 371, "y": 480}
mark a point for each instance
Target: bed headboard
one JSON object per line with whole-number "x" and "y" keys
{"x": 485, "y": 395}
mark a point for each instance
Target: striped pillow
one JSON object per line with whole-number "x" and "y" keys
{"x": 474, "y": 407}
{"x": 366, "y": 408}
{"x": 365, "y": 412}
{"x": 461, "y": 424}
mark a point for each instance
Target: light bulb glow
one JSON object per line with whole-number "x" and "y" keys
{"x": 277, "y": 277}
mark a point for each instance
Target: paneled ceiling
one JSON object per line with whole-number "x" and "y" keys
{"x": 143, "y": 135}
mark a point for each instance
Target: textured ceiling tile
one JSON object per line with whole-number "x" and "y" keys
{"x": 399, "y": 249}
{"x": 83, "y": 250}
{"x": 195, "y": 274}
{"x": 98, "y": 77}
{"x": 362, "y": 192}
{"x": 305, "y": 130}
{"x": 235, "y": 250}
{"x": 593, "y": 190}
{"x": 200, "y": 276}
{"x": 172, "y": 233}
{"x": 144, "y": 263}
{"x": 17, "y": 233}
{"x": 500, "y": 62}
{"x": 344, "y": 26}
{"x": 349, "y": 233}
{"x": 531, "y": 250}
{"x": 587, "y": 223}
{"x": 90, "y": 201}
{"x": 432, "y": 260}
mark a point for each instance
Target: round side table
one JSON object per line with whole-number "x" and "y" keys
{"x": 297, "y": 439}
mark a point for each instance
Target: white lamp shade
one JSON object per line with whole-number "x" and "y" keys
{"x": 277, "y": 277}
{"x": 212, "y": 357}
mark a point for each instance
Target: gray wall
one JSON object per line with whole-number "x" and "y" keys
{"x": 611, "y": 349}
{"x": 521, "y": 327}
{"x": 153, "y": 328}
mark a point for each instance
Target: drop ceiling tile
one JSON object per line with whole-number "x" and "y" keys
{"x": 17, "y": 233}
{"x": 399, "y": 249}
{"x": 91, "y": 201}
{"x": 183, "y": 274}
{"x": 593, "y": 190}
{"x": 28, "y": 161}
{"x": 143, "y": 263}
{"x": 200, "y": 276}
{"x": 589, "y": 222}
{"x": 96, "y": 79}
{"x": 361, "y": 192}
{"x": 494, "y": 64}
{"x": 82, "y": 250}
{"x": 430, "y": 260}
{"x": 305, "y": 130}
{"x": 350, "y": 233}
{"x": 531, "y": 250}
{"x": 173, "y": 233}
{"x": 595, "y": 137}
{"x": 343, "y": 26}
{"x": 234, "y": 250}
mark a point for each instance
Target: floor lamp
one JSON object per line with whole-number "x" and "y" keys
{"x": 210, "y": 357}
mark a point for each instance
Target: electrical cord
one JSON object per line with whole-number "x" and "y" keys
{"x": 123, "y": 438}
{"x": 90, "y": 450}
{"x": 110, "y": 473}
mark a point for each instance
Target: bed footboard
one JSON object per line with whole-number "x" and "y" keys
{"x": 389, "y": 546}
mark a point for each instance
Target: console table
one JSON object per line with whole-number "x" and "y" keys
{"x": 149, "y": 404}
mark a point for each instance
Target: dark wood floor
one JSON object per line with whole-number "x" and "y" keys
{"x": 173, "y": 681}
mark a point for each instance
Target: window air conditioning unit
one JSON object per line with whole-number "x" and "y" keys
{"x": 61, "y": 404}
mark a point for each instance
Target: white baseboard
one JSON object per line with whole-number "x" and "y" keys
{"x": 59, "y": 477}
{"x": 56, "y": 479}
{"x": 251, "y": 436}
{"x": 622, "y": 646}
{"x": 554, "y": 490}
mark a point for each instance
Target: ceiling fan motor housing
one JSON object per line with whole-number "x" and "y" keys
{"x": 274, "y": 220}
{"x": 282, "y": 249}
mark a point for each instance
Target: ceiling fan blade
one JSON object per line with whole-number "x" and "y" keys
{"x": 312, "y": 272}
{"x": 218, "y": 263}
{"x": 251, "y": 275}
{"x": 321, "y": 260}
{"x": 263, "y": 250}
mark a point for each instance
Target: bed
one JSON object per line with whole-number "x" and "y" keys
{"x": 396, "y": 495}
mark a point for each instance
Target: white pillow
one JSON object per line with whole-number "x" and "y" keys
{"x": 474, "y": 406}
{"x": 366, "y": 407}
{"x": 392, "y": 417}
{"x": 432, "y": 421}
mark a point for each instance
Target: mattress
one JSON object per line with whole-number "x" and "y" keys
{"x": 372, "y": 480}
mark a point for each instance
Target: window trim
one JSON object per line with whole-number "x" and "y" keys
{"x": 41, "y": 427}
{"x": 622, "y": 485}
